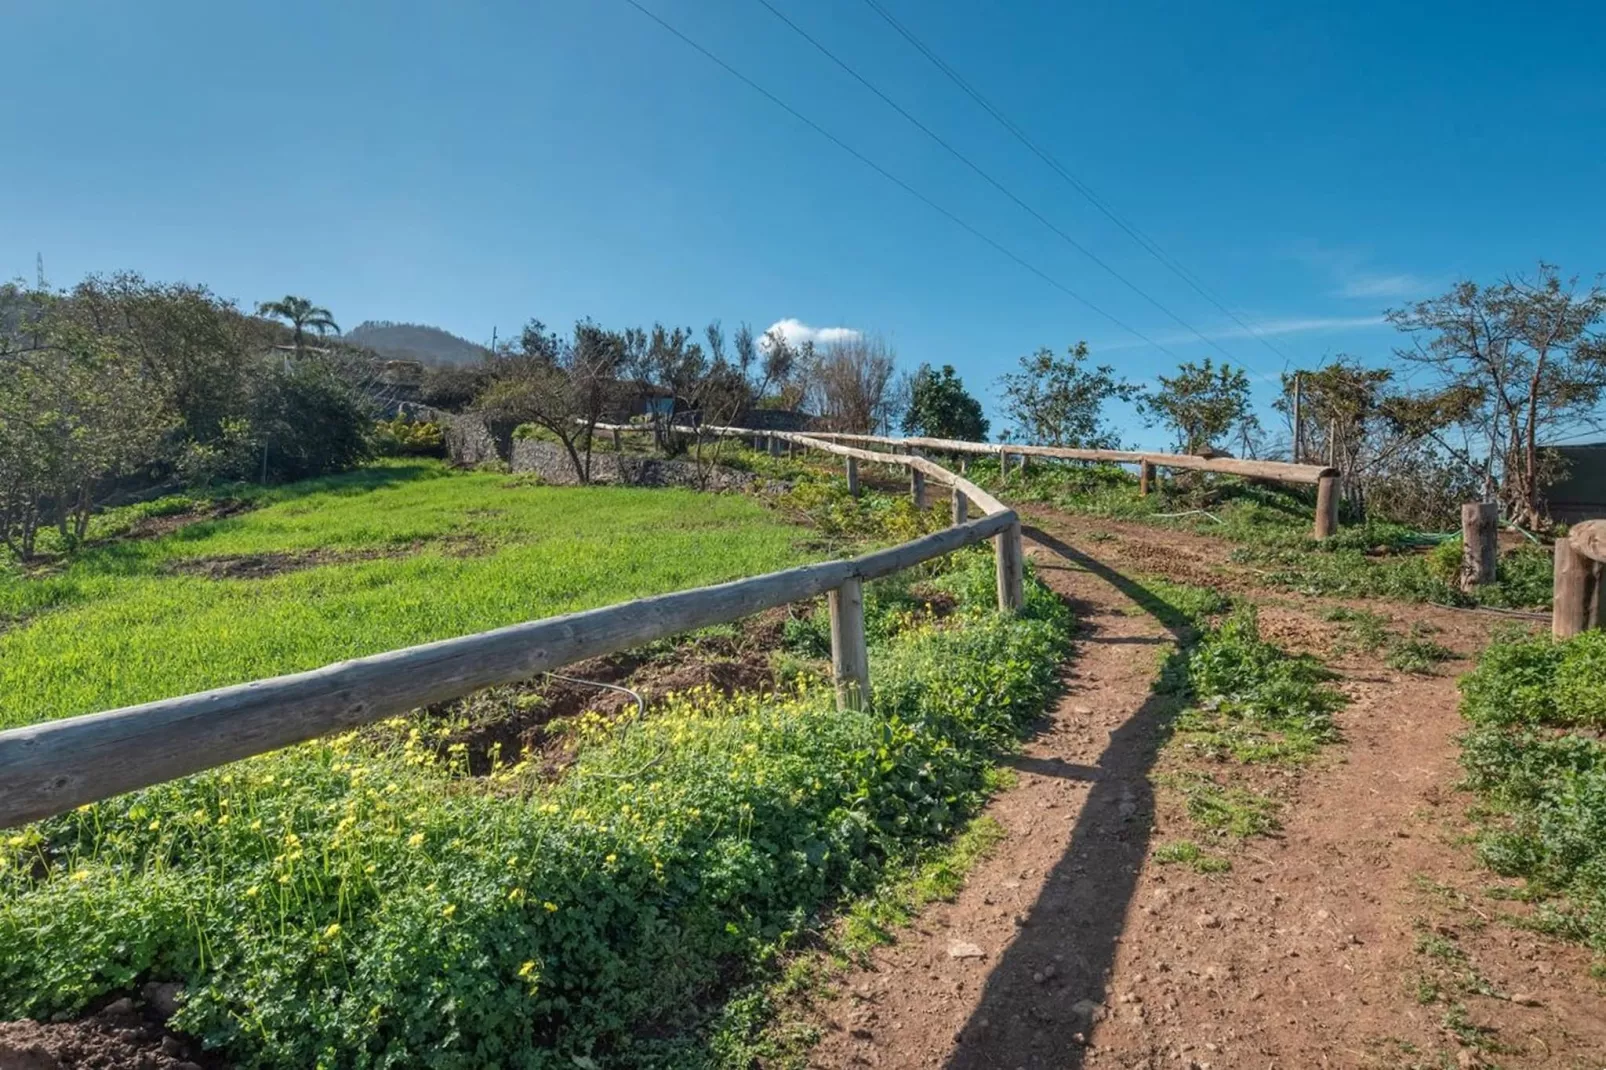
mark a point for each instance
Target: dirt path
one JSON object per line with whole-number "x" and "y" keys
{"x": 1359, "y": 935}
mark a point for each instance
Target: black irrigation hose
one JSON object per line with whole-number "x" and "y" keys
{"x": 641, "y": 711}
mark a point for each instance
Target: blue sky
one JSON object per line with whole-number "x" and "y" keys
{"x": 474, "y": 164}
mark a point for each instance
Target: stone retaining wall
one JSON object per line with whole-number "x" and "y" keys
{"x": 552, "y": 463}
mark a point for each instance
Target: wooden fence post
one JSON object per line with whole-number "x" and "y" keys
{"x": 1145, "y": 478}
{"x": 1326, "y": 506}
{"x": 961, "y": 506}
{"x": 1575, "y": 595}
{"x": 775, "y": 446}
{"x": 1003, "y": 462}
{"x": 1479, "y": 546}
{"x": 1011, "y": 568}
{"x": 850, "y": 657}
{"x": 917, "y": 487}
{"x": 616, "y": 446}
{"x": 853, "y": 476}
{"x": 964, "y": 464}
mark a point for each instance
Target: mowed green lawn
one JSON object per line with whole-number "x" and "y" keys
{"x": 419, "y": 553}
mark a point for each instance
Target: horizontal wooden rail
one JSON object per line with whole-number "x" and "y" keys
{"x": 1324, "y": 478}
{"x": 1279, "y": 471}
{"x": 50, "y": 768}
{"x": 1588, "y": 537}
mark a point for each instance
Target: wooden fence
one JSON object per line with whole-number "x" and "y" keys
{"x": 1324, "y": 478}
{"x": 1576, "y": 591}
{"x": 50, "y": 768}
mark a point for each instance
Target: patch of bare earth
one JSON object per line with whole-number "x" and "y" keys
{"x": 126, "y": 1034}
{"x": 262, "y": 566}
{"x": 1357, "y": 935}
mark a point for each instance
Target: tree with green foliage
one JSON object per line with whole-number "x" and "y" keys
{"x": 75, "y": 414}
{"x": 1518, "y": 361}
{"x": 302, "y": 315}
{"x": 1204, "y": 405}
{"x": 1059, "y": 401}
{"x": 941, "y": 407}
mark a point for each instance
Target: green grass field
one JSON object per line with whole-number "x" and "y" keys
{"x": 363, "y": 901}
{"x": 381, "y": 558}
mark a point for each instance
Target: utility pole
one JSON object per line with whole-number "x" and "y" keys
{"x": 1299, "y": 420}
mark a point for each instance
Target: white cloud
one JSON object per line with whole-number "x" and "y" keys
{"x": 796, "y": 332}
{"x": 1363, "y": 284}
{"x": 1264, "y": 329}
{"x": 1356, "y": 276}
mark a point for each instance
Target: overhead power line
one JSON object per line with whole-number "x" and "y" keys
{"x": 999, "y": 186}
{"x": 895, "y": 180}
{"x": 1081, "y": 187}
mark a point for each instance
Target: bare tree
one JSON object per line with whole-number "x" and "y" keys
{"x": 849, "y": 383}
{"x": 1518, "y": 360}
{"x": 561, "y": 385}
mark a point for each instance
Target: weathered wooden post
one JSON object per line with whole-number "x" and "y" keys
{"x": 850, "y": 656}
{"x": 1576, "y": 593}
{"x": 1326, "y": 506}
{"x": 1003, "y": 462}
{"x": 917, "y": 487}
{"x": 616, "y": 447}
{"x": 775, "y": 446}
{"x": 964, "y": 464}
{"x": 1145, "y": 477}
{"x": 1479, "y": 547}
{"x": 1007, "y": 554}
{"x": 853, "y": 476}
{"x": 961, "y": 506}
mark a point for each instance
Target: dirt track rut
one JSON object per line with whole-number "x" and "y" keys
{"x": 1359, "y": 935}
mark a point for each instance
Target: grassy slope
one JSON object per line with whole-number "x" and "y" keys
{"x": 471, "y": 552}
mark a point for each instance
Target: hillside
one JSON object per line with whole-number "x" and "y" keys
{"x": 415, "y": 341}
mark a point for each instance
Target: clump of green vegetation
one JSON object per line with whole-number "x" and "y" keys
{"x": 340, "y": 904}
{"x": 1224, "y": 809}
{"x": 1416, "y": 653}
{"x": 1535, "y": 757}
{"x": 1413, "y": 652}
{"x": 1192, "y": 855}
{"x": 388, "y": 556}
{"x": 1249, "y": 698}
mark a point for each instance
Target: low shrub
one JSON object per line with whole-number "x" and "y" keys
{"x": 1250, "y": 698}
{"x": 402, "y": 436}
{"x": 343, "y": 905}
{"x": 1544, "y": 786}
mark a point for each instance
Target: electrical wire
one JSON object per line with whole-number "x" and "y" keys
{"x": 895, "y": 180}
{"x": 990, "y": 180}
{"x": 1081, "y": 187}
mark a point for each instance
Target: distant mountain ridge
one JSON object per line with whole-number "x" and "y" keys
{"x": 415, "y": 341}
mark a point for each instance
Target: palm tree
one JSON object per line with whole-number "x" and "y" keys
{"x": 302, "y": 314}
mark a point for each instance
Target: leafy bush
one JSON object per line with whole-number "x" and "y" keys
{"x": 313, "y": 421}
{"x": 402, "y": 436}
{"x": 339, "y": 904}
{"x": 1545, "y": 788}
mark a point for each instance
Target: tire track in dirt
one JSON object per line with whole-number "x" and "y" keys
{"x": 1069, "y": 948}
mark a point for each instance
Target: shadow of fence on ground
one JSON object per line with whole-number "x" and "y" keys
{"x": 1036, "y": 1007}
